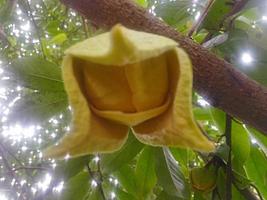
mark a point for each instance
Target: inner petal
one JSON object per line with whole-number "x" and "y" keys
{"x": 148, "y": 81}
{"x": 106, "y": 87}
{"x": 131, "y": 88}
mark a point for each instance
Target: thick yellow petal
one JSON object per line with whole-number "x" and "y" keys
{"x": 89, "y": 134}
{"x": 132, "y": 119}
{"x": 103, "y": 136}
{"x": 176, "y": 126}
{"x": 121, "y": 46}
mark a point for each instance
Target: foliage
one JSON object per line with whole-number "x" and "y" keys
{"x": 35, "y": 113}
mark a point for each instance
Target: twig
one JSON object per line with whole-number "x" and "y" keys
{"x": 90, "y": 171}
{"x": 35, "y": 26}
{"x": 258, "y": 192}
{"x": 101, "y": 180}
{"x": 3, "y": 37}
{"x": 85, "y": 27}
{"x": 30, "y": 168}
{"x": 247, "y": 193}
{"x": 229, "y": 177}
{"x": 201, "y": 18}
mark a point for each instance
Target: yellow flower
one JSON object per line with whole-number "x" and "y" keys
{"x": 125, "y": 79}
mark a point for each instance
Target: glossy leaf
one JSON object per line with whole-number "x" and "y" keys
{"x": 77, "y": 187}
{"x": 70, "y": 168}
{"x": 216, "y": 15}
{"x": 129, "y": 184}
{"x": 169, "y": 175}
{"x": 145, "y": 172}
{"x": 113, "y": 162}
{"x": 37, "y": 74}
{"x": 58, "y": 39}
{"x": 218, "y": 117}
{"x": 124, "y": 195}
{"x": 256, "y": 168}
{"x": 142, "y": 3}
{"x": 174, "y": 12}
{"x": 38, "y": 106}
{"x": 261, "y": 139}
{"x": 165, "y": 196}
{"x": 221, "y": 188}
{"x": 240, "y": 145}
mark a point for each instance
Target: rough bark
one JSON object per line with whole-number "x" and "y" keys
{"x": 215, "y": 79}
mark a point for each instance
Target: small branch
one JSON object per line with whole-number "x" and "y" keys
{"x": 101, "y": 181}
{"x": 258, "y": 192}
{"x": 247, "y": 193}
{"x": 237, "y": 7}
{"x": 229, "y": 177}
{"x": 201, "y": 19}
{"x": 85, "y": 27}
{"x": 3, "y": 37}
{"x": 30, "y": 168}
{"x": 99, "y": 178}
{"x": 35, "y": 26}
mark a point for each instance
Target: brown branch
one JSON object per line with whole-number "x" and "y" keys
{"x": 214, "y": 78}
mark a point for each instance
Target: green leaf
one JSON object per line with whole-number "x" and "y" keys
{"x": 94, "y": 195}
{"x": 113, "y": 162}
{"x": 142, "y": 3}
{"x": 240, "y": 145}
{"x": 129, "y": 184}
{"x": 38, "y": 107}
{"x": 77, "y": 187}
{"x": 53, "y": 27}
{"x": 165, "y": 196}
{"x": 252, "y": 40}
{"x": 202, "y": 113}
{"x": 71, "y": 167}
{"x": 223, "y": 152}
{"x": 183, "y": 157}
{"x": 124, "y": 195}
{"x": 218, "y": 117}
{"x": 241, "y": 181}
{"x": 174, "y": 12}
{"x": 37, "y": 74}
{"x": 58, "y": 39}
{"x": 145, "y": 173}
{"x": 256, "y": 168}
{"x": 216, "y": 15}
{"x": 169, "y": 175}
{"x": 260, "y": 138}
{"x": 200, "y": 196}
{"x": 221, "y": 187}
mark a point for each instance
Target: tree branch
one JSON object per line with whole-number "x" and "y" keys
{"x": 214, "y": 78}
